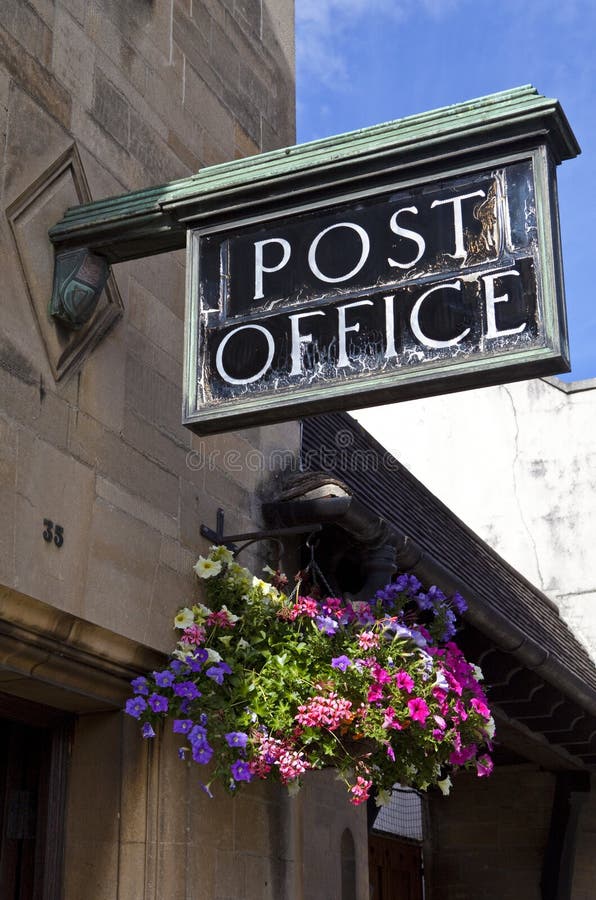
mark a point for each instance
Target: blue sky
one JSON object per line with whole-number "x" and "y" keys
{"x": 361, "y": 62}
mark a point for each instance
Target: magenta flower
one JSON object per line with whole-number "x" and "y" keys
{"x": 484, "y": 766}
{"x": 194, "y": 634}
{"x": 390, "y": 720}
{"x": 480, "y": 707}
{"x": 462, "y": 756}
{"x": 404, "y": 681}
{"x": 418, "y": 710}
{"x": 375, "y": 693}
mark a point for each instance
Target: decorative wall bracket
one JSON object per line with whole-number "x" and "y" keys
{"x": 79, "y": 278}
{"x": 251, "y": 537}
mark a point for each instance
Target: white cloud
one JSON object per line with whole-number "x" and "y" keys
{"x": 321, "y": 23}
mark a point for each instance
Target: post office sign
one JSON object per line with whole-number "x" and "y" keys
{"x": 404, "y": 289}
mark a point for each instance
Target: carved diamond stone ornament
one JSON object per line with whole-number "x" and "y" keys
{"x": 85, "y": 301}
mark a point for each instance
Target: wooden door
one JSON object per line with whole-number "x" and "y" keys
{"x": 395, "y": 869}
{"x": 34, "y": 749}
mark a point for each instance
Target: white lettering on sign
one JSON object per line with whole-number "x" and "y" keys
{"x": 220, "y": 351}
{"x": 415, "y": 321}
{"x": 489, "y": 286}
{"x": 458, "y": 222}
{"x": 343, "y": 358}
{"x": 410, "y": 235}
{"x": 298, "y": 340}
{"x": 460, "y": 250}
{"x": 390, "y": 351}
{"x": 312, "y": 253}
{"x": 260, "y": 268}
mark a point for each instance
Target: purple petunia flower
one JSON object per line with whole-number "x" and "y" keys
{"x": 459, "y": 604}
{"x": 158, "y": 703}
{"x": 326, "y": 624}
{"x": 341, "y": 662}
{"x": 140, "y": 685}
{"x": 450, "y": 629}
{"x": 187, "y": 689}
{"x": 217, "y": 672}
{"x": 197, "y": 660}
{"x": 182, "y": 726}
{"x": 202, "y": 753}
{"x": 135, "y": 707}
{"x": 197, "y": 735}
{"x": 237, "y": 739}
{"x": 241, "y": 771}
{"x": 178, "y": 666}
{"x": 147, "y": 730}
{"x": 164, "y": 679}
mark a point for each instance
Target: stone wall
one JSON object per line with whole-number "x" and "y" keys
{"x": 147, "y": 91}
{"x": 488, "y": 837}
{"x": 124, "y": 94}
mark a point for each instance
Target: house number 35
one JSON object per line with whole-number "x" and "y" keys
{"x": 52, "y": 532}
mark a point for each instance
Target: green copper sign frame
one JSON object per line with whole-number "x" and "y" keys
{"x": 465, "y": 138}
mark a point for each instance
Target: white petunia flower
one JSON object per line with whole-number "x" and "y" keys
{"x": 213, "y": 655}
{"x": 445, "y": 786}
{"x": 489, "y": 729}
{"x": 383, "y": 798}
{"x": 477, "y": 673}
{"x": 264, "y": 586}
{"x": 184, "y": 618}
{"x": 207, "y": 568}
{"x": 223, "y": 554}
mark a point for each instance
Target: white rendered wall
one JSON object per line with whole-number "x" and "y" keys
{"x": 516, "y": 463}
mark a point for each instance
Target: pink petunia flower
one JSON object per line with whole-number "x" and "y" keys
{"x": 418, "y": 710}
{"x": 404, "y": 681}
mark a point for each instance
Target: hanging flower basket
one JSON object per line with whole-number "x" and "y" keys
{"x": 265, "y": 684}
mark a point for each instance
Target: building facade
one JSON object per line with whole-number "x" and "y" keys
{"x": 104, "y": 493}
{"x": 98, "y": 99}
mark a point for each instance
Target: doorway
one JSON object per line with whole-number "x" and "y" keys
{"x": 34, "y": 745}
{"x": 395, "y": 869}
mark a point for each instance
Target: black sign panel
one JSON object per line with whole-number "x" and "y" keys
{"x": 368, "y": 299}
